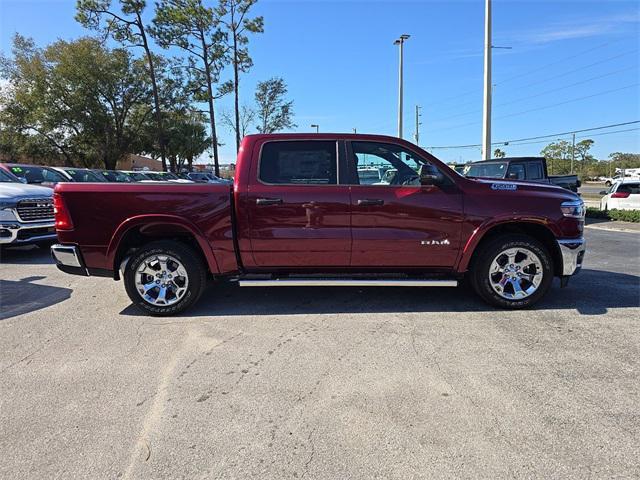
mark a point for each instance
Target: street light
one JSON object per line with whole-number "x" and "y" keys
{"x": 400, "y": 42}
{"x": 317, "y": 127}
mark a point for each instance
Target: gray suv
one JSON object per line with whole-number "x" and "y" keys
{"x": 26, "y": 213}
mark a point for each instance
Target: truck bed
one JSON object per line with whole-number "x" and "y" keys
{"x": 102, "y": 213}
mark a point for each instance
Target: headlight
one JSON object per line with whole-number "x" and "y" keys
{"x": 573, "y": 209}
{"x": 7, "y": 215}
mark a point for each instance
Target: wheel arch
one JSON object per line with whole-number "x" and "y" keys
{"x": 137, "y": 231}
{"x": 536, "y": 230}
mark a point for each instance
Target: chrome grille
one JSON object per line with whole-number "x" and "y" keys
{"x": 35, "y": 209}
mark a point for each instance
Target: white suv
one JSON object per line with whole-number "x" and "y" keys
{"x": 624, "y": 195}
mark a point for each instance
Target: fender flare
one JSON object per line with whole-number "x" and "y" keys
{"x": 481, "y": 231}
{"x": 159, "y": 219}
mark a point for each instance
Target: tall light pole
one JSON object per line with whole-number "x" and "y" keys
{"x": 486, "y": 111}
{"x": 317, "y": 127}
{"x": 400, "y": 42}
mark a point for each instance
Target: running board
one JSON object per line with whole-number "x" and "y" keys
{"x": 305, "y": 282}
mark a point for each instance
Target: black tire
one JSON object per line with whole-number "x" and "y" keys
{"x": 479, "y": 272}
{"x": 192, "y": 263}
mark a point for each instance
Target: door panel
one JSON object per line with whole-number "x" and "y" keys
{"x": 396, "y": 221}
{"x": 416, "y": 226}
{"x": 303, "y": 225}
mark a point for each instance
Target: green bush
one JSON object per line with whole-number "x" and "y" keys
{"x": 621, "y": 215}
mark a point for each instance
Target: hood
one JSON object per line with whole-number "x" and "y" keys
{"x": 547, "y": 189}
{"x": 18, "y": 191}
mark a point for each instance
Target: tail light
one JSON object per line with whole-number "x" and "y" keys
{"x": 621, "y": 195}
{"x": 61, "y": 214}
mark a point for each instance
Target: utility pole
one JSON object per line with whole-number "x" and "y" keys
{"x": 355, "y": 131}
{"x": 573, "y": 151}
{"x": 317, "y": 127}
{"x": 400, "y": 42}
{"x": 417, "y": 134}
{"x": 486, "y": 113}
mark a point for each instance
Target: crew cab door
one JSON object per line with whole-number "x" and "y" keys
{"x": 298, "y": 215}
{"x": 396, "y": 221}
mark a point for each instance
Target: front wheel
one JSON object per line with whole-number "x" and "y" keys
{"x": 512, "y": 271}
{"x": 164, "y": 277}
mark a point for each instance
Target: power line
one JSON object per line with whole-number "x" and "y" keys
{"x": 537, "y": 69}
{"x": 541, "y": 93}
{"x": 540, "y": 108}
{"x": 541, "y": 136}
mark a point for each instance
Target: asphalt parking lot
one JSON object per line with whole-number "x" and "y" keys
{"x": 321, "y": 383}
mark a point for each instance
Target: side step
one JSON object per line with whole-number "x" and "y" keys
{"x": 341, "y": 282}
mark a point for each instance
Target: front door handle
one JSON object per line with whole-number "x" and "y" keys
{"x": 268, "y": 201}
{"x": 369, "y": 202}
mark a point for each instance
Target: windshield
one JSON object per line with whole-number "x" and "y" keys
{"x": 137, "y": 176}
{"x": 6, "y": 178}
{"x": 115, "y": 176}
{"x": 82, "y": 175}
{"x": 35, "y": 174}
{"x": 490, "y": 170}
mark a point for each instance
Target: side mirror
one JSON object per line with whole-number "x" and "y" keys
{"x": 429, "y": 176}
{"x": 603, "y": 192}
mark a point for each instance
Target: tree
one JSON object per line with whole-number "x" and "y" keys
{"x": 561, "y": 156}
{"x": 247, "y": 117}
{"x": 274, "y": 112}
{"x": 187, "y": 138}
{"x": 497, "y": 153}
{"x": 75, "y": 101}
{"x": 126, "y": 27}
{"x": 191, "y": 26}
{"x": 233, "y": 15}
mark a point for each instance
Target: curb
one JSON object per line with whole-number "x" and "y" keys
{"x": 612, "y": 229}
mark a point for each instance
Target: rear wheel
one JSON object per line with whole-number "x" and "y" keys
{"x": 165, "y": 277}
{"x": 513, "y": 271}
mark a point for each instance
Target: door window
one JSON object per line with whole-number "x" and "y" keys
{"x": 305, "y": 162}
{"x": 516, "y": 172}
{"x": 386, "y": 164}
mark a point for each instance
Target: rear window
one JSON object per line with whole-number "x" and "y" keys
{"x": 632, "y": 188}
{"x": 299, "y": 163}
{"x": 35, "y": 174}
{"x": 82, "y": 175}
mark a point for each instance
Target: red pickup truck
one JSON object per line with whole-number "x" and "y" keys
{"x": 305, "y": 209}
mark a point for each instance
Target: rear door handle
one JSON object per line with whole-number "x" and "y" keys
{"x": 268, "y": 201}
{"x": 368, "y": 202}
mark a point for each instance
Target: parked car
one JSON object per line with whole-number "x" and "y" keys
{"x": 533, "y": 169}
{"x": 205, "y": 177}
{"x": 299, "y": 215}
{"x": 166, "y": 177}
{"x": 35, "y": 174}
{"x": 622, "y": 195}
{"x": 26, "y": 213}
{"x": 137, "y": 176}
{"x": 114, "y": 176}
{"x": 83, "y": 175}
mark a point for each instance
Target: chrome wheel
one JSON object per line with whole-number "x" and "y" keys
{"x": 515, "y": 273}
{"x": 161, "y": 280}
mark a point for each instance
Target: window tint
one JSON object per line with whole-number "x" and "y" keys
{"x": 387, "y": 164}
{"x": 306, "y": 162}
{"x": 534, "y": 171}
{"x": 516, "y": 172}
{"x": 633, "y": 188}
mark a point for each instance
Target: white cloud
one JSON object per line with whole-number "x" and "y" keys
{"x": 574, "y": 29}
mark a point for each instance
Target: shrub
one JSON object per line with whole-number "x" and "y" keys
{"x": 621, "y": 215}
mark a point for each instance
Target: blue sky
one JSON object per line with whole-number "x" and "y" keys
{"x": 573, "y": 65}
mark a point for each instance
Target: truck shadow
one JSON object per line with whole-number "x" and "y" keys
{"x": 592, "y": 292}
{"x": 27, "y": 255}
{"x": 24, "y": 296}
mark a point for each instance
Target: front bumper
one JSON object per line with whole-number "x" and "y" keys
{"x": 17, "y": 233}
{"x": 572, "y": 251}
{"x": 68, "y": 259}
